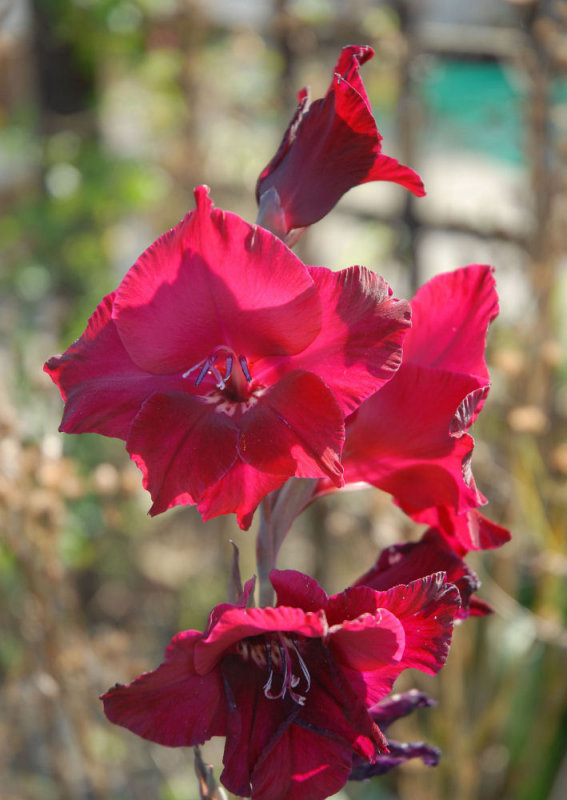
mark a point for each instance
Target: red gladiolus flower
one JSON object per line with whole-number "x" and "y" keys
{"x": 227, "y": 365}
{"x": 330, "y": 146}
{"x": 410, "y": 439}
{"x": 409, "y": 561}
{"x": 290, "y": 686}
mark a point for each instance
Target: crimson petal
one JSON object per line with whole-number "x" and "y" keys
{"x": 451, "y": 314}
{"x": 303, "y": 765}
{"x": 370, "y": 642}
{"x": 348, "y": 65}
{"x": 401, "y": 439}
{"x": 181, "y": 458}
{"x": 297, "y": 589}
{"x": 426, "y": 608}
{"x": 403, "y": 563}
{"x": 205, "y": 284}
{"x": 171, "y": 705}
{"x": 239, "y": 491}
{"x": 469, "y": 531}
{"x": 386, "y": 168}
{"x": 363, "y": 328}
{"x": 278, "y": 434}
{"x": 102, "y": 387}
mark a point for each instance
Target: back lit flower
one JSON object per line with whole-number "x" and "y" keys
{"x": 290, "y": 686}
{"x": 331, "y": 145}
{"x": 227, "y": 365}
{"x": 411, "y": 438}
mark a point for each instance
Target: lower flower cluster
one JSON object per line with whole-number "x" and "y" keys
{"x": 295, "y": 688}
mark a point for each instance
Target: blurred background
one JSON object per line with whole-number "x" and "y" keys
{"x": 111, "y": 111}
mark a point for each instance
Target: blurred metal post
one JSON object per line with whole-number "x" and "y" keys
{"x": 407, "y": 126}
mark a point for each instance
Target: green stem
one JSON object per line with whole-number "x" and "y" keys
{"x": 265, "y": 556}
{"x": 277, "y": 512}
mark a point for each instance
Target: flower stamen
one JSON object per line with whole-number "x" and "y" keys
{"x": 203, "y": 372}
{"x": 239, "y": 376}
{"x": 303, "y": 667}
{"x": 289, "y": 680}
{"x": 268, "y": 685}
{"x": 285, "y": 682}
{"x": 244, "y": 365}
{"x": 228, "y": 367}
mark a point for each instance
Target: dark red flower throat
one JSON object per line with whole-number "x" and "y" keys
{"x": 234, "y": 384}
{"x": 279, "y": 654}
